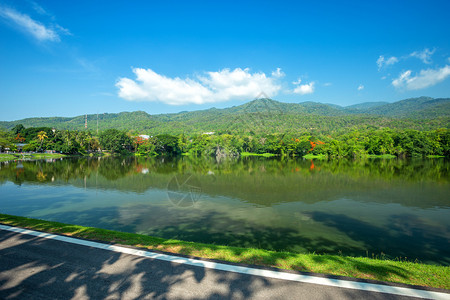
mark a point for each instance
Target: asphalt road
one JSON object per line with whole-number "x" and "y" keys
{"x": 37, "y": 268}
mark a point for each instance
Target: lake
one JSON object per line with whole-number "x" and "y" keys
{"x": 383, "y": 208}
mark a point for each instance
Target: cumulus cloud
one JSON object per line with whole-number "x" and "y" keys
{"x": 303, "y": 89}
{"x": 33, "y": 27}
{"x": 424, "y": 55}
{"x": 424, "y": 79}
{"x": 382, "y": 62}
{"x": 224, "y": 85}
{"x": 360, "y": 87}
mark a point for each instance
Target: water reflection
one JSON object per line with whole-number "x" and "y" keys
{"x": 397, "y": 207}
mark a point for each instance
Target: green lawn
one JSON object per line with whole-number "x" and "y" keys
{"x": 257, "y": 154}
{"x": 312, "y": 156}
{"x": 383, "y": 156}
{"x": 359, "y": 267}
{"x": 47, "y": 155}
{"x": 7, "y": 157}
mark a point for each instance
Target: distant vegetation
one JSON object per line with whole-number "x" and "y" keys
{"x": 412, "y": 127}
{"x": 265, "y": 116}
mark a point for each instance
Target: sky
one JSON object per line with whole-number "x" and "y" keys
{"x": 69, "y": 58}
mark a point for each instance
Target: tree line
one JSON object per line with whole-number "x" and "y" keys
{"x": 350, "y": 144}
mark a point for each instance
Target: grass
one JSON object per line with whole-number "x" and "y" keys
{"x": 47, "y": 155}
{"x": 383, "y": 156}
{"x": 435, "y": 156}
{"x": 313, "y": 156}
{"x": 399, "y": 271}
{"x": 257, "y": 154}
{"x": 8, "y": 157}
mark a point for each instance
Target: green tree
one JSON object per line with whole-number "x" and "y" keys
{"x": 42, "y": 135}
{"x": 167, "y": 144}
{"x": 19, "y": 128}
{"x": 115, "y": 140}
{"x": 6, "y": 140}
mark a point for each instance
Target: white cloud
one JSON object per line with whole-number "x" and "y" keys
{"x": 424, "y": 79}
{"x": 360, "y": 87}
{"x": 238, "y": 84}
{"x": 391, "y": 60}
{"x": 298, "y": 81}
{"x": 327, "y": 84}
{"x": 33, "y": 27}
{"x": 304, "y": 88}
{"x": 424, "y": 55}
{"x": 38, "y": 30}
{"x": 63, "y": 30}
{"x": 382, "y": 62}
{"x": 39, "y": 9}
{"x": 278, "y": 73}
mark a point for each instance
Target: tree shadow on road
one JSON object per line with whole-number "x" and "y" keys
{"x": 74, "y": 271}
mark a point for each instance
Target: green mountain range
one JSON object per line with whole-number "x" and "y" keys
{"x": 266, "y": 115}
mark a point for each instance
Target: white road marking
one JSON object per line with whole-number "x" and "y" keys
{"x": 371, "y": 287}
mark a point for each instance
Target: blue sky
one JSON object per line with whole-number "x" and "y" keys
{"x": 60, "y": 58}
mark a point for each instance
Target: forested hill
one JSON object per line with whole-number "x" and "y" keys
{"x": 267, "y": 115}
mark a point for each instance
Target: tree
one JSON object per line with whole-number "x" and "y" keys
{"x": 19, "y": 128}
{"x": 167, "y": 144}
{"x": 6, "y": 140}
{"x": 19, "y": 138}
{"x": 137, "y": 141}
{"x": 114, "y": 140}
{"x": 42, "y": 135}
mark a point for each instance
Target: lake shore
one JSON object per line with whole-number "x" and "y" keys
{"x": 375, "y": 268}
{"x": 14, "y": 156}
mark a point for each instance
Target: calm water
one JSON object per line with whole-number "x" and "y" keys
{"x": 399, "y": 208}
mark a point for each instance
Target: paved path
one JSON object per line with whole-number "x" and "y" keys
{"x": 33, "y": 267}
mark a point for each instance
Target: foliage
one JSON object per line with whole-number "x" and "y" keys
{"x": 6, "y": 140}
{"x": 262, "y": 116}
{"x": 115, "y": 140}
{"x": 19, "y": 128}
{"x": 41, "y": 136}
{"x": 167, "y": 144}
{"x": 349, "y": 144}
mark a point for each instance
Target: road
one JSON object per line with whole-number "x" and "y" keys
{"x": 33, "y": 267}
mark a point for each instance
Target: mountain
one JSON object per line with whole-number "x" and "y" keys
{"x": 364, "y": 106}
{"x": 421, "y": 108}
{"x": 268, "y": 116}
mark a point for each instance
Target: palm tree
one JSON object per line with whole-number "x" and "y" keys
{"x": 42, "y": 135}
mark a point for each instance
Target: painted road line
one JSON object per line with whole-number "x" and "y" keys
{"x": 371, "y": 287}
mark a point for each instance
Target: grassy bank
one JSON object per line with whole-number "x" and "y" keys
{"x": 47, "y": 155}
{"x": 257, "y": 154}
{"x": 358, "y": 267}
{"x": 7, "y": 157}
{"x": 313, "y": 156}
{"x": 383, "y": 156}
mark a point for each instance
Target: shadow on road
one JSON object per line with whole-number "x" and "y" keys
{"x": 33, "y": 267}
